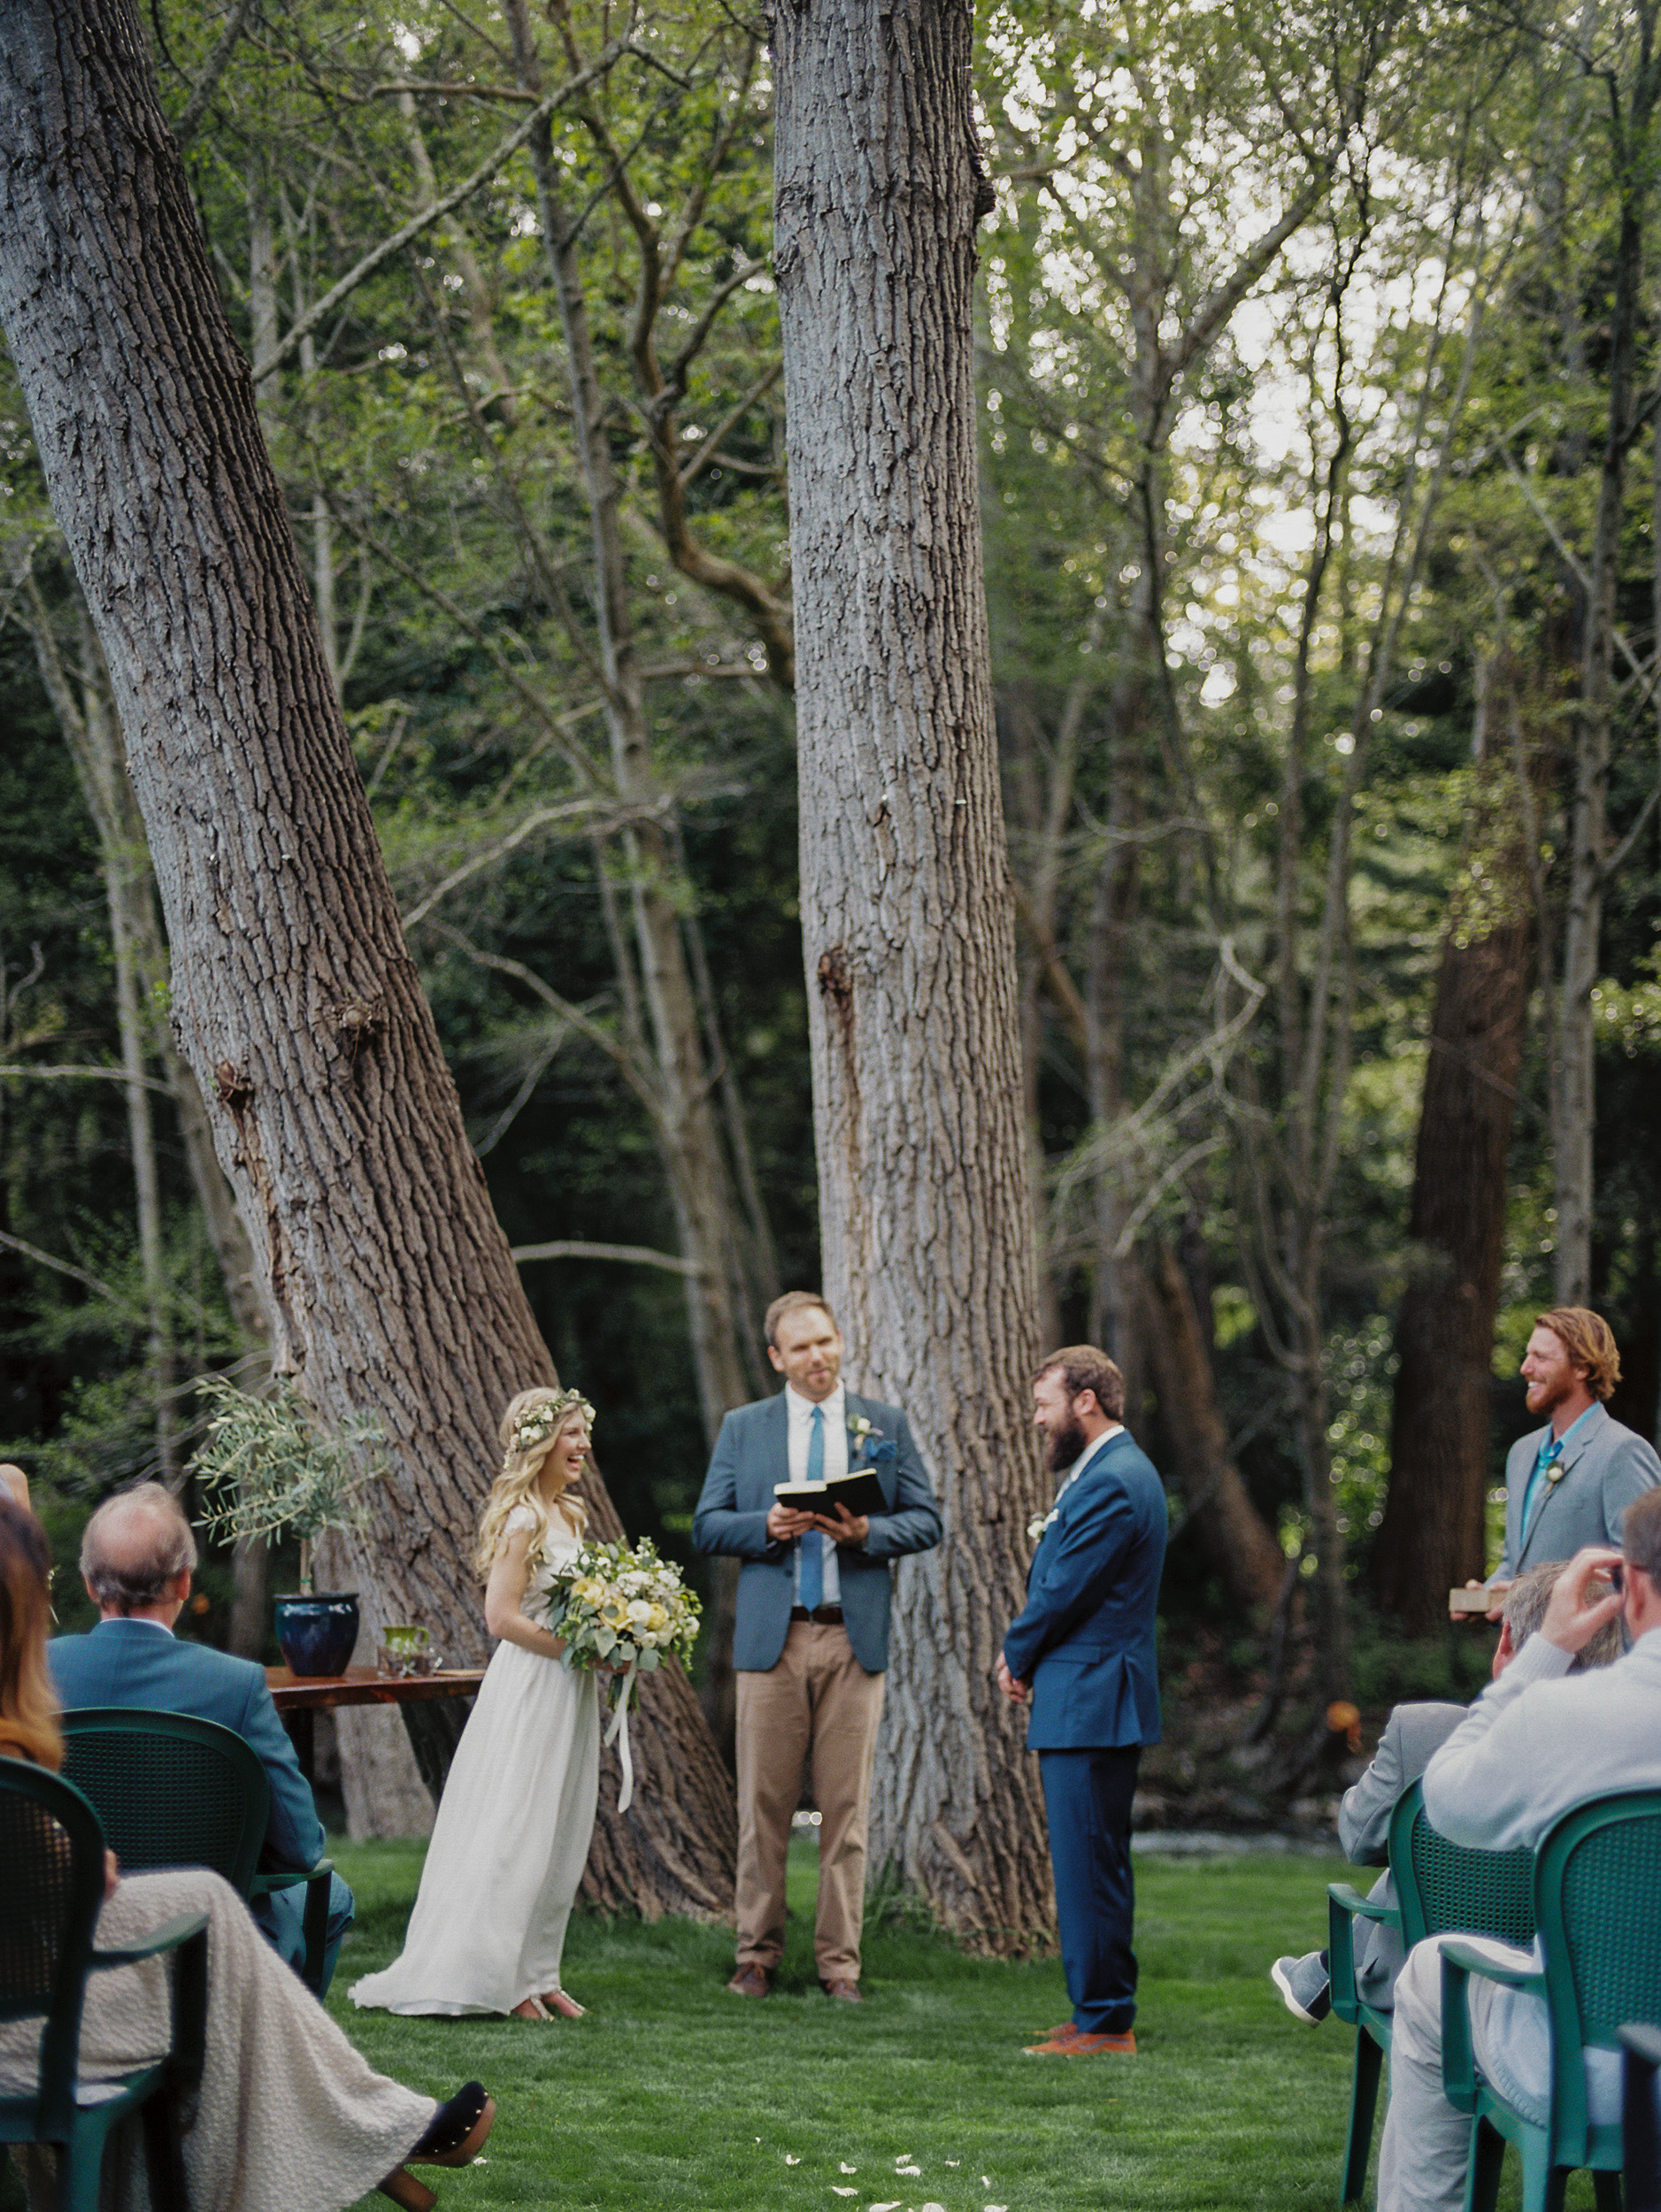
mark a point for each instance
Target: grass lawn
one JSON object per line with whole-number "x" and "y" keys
{"x": 672, "y": 2095}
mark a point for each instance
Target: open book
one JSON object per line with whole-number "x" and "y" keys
{"x": 859, "y": 1490}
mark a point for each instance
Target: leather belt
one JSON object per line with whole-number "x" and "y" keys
{"x": 822, "y": 1616}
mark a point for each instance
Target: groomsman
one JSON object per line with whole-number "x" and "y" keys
{"x": 811, "y": 1641}
{"x": 1081, "y": 1654}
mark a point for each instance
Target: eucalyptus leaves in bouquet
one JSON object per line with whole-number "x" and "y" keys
{"x": 266, "y": 1465}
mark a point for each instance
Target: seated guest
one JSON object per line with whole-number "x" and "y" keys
{"x": 1534, "y": 1745}
{"x": 136, "y": 1559}
{"x": 287, "y": 2114}
{"x": 1412, "y": 1734}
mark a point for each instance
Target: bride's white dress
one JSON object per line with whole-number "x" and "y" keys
{"x": 512, "y": 1837}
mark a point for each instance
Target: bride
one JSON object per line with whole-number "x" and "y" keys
{"x": 511, "y": 1836}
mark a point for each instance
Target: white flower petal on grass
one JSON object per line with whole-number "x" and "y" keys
{"x": 845, "y": 2168}
{"x": 996, "y": 2207}
{"x": 835, "y": 2191}
{"x": 932, "y": 2207}
{"x": 908, "y": 2169}
{"x": 954, "y": 2162}
{"x": 892, "y": 2206}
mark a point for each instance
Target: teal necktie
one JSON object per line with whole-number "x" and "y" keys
{"x": 813, "y": 1544}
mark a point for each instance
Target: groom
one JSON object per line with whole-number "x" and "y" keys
{"x": 811, "y": 1643}
{"x": 1081, "y": 1652}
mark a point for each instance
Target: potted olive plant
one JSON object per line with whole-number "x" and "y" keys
{"x": 266, "y": 1466}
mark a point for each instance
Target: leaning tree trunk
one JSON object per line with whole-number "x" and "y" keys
{"x": 1240, "y": 1547}
{"x": 925, "y": 1207}
{"x": 295, "y": 1000}
{"x": 1432, "y": 1535}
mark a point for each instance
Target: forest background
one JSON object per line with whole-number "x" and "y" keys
{"x": 1317, "y": 352}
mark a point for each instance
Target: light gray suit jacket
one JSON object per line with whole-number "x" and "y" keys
{"x": 1605, "y": 1467}
{"x": 1536, "y": 1742}
{"x": 1412, "y": 1735}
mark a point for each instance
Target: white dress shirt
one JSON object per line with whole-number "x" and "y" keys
{"x": 799, "y": 1410}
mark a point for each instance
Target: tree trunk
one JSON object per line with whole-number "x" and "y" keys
{"x": 1573, "y": 1088}
{"x": 84, "y": 719}
{"x": 700, "y": 1184}
{"x": 907, "y": 922}
{"x": 295, "y": 999}
{"x": 1239, "y": 1545}
{"x": 1432, "y": 1535}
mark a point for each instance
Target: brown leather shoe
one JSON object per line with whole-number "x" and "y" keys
{"x": 844, "y": 1992}
{"x": 749, "y": 1981}
{"x": 1073, "y": 2042}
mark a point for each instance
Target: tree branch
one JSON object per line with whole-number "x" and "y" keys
{"x": 400, "y": 238}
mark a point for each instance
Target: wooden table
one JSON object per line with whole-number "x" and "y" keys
{"x": 432, "y": 1717}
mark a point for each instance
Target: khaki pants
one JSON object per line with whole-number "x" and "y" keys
{"x": 818, "y": 1702}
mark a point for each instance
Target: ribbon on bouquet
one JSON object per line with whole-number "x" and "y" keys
{"x": 618, "y": 1734}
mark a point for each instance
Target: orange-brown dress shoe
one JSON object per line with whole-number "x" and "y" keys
{"x": 845, "y": 1992}
{"x": 1071, "y": 2042}
{"x": 749, "y": 1981}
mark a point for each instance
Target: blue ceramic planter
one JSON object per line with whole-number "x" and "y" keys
{"x": 317, "y": 1633}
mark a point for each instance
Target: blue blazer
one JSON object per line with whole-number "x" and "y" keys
{"x": 1085, "y": 1639}
{"x": 751, "y": 1454}
{"x": 133, "y": 1663}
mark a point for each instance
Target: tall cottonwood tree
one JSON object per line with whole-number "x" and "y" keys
{"x": 389, "y": 1284}
{"x": 924, "y": 1207}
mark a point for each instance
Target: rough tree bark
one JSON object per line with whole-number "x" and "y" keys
{"x": 1431, "y": 1535}
{"x": 907, "y": 918}
{"x": 296, "y": 1001}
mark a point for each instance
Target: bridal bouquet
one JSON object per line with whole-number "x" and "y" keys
{"x": 623, "y": 1603}
{"x": 625, "y": 1609}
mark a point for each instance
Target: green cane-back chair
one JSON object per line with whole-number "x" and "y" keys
{"x": 1597, "y": 1875}
{"x": 172, "y": 1790}
{"x": 52, "y": 1849}
{"x": 1439, "y": 1886}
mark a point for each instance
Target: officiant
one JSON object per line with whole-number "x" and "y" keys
{"x": 811, "y": 1643}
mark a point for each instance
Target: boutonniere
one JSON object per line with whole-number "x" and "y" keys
{"x": 1556, "y": 1472}
{"x": 1039, "y": 1523}
{"x": 867, "y": 1447}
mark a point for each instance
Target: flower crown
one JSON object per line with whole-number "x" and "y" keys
{"x": 539, "y": 1424}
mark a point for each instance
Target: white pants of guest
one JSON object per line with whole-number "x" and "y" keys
{"x": 1426, "y": 2143}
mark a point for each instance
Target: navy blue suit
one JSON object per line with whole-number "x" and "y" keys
{"x": 752, "y": 1453}
{"x": 138, "y": 1663}
{"x": 1085, "y": 1642}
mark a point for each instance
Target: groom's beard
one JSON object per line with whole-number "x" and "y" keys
{"x": 1065, "y": 1445}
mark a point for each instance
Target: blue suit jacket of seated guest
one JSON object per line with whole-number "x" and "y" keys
{"x": 134, "y": 1663}
{"x": 751, "y": 1454}
{"x": 1085, "y": 1639}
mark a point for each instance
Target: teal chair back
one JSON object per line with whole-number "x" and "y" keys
{"x": 170, "y": 1789}
{"x": 1444, "y": 1887}
{"x": 52, "y": 1851}
{"x": 1598, "y": 1878}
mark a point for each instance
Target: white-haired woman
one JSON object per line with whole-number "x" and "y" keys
{"x": 512, "y": 1837}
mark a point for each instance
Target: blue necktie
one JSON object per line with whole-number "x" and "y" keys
{"x": 813, "y": 1543}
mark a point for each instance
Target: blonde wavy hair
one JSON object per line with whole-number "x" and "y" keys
{"x": 527, "y": 1435}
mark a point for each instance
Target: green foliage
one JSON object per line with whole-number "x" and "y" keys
{"x": 266, "y": 1466}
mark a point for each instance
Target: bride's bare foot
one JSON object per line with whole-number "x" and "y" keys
{"x": 533, "y": 2008}
{"x": 557, "y": 2000}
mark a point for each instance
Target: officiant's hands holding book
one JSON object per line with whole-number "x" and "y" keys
{"x": 785, "y": 1523}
